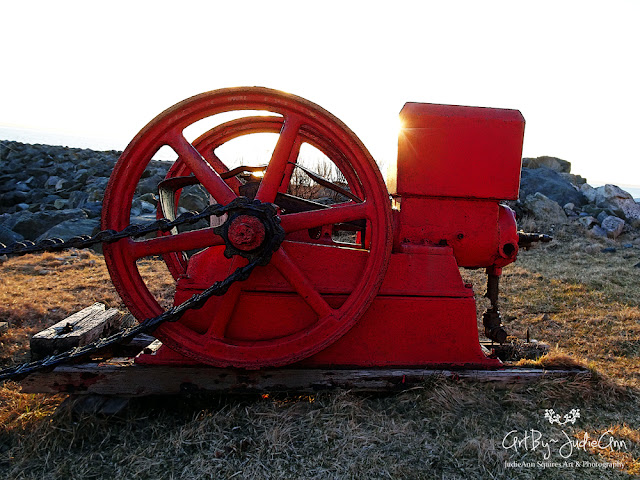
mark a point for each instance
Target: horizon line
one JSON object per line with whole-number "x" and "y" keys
{"x": 85, "y": 142}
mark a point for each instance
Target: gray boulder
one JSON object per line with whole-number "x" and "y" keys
{"x": 589, "y": 192}
{"x": 140, "y": 207}
{"x": 570, "y": 210}
{"x": 576, "y": 180}
{"x": 613, "y": 226}
{"x": 551, "y": 185}
{"x": 146, "y": 207}
{"x": 72, "y": 228}
{"x": 61, "y": 204}
{"x": 15, "y": 197}
{"x": 7, "y": 237}
{"x": 33, "y": 224}
{"x": 78, "y": 199}
{"x": 602, "y": 215}
{"x": 553, "y": 163}
{"x": 51, "y": 182}
{"x": 619, "y": 202}
{"x": 149, "y": 184}
{"x": 591, "y": 209}
{"x": 587, "y": 221}
{"x": 93, "y": 209}
{"x": 150, "y": 198}
{"x": 544, "y": 209}
{"x": 598, "y": 231}
{"x": 61, "y": 184}
{"x": 194, "y": 199}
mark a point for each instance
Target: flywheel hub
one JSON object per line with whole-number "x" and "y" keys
{"x": 246, "y": 233}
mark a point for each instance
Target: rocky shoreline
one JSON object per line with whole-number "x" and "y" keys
{"x": 553, "y": 196}
{"x": 53, "y": 191}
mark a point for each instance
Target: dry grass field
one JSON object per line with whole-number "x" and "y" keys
{"x": 584, "y": 303}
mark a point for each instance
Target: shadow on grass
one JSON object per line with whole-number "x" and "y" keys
{"x": 443, "y": 428}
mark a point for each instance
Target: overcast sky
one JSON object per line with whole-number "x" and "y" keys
{"x": 101, "y": 71}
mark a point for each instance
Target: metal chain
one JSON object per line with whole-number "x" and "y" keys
{"x": 174, "y": 313}
{"x": 110, "y": 236}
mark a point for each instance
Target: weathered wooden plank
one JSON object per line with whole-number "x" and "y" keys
{"x": 127, "y": 321}
{"x": 81, "y": 328}
{"x": 122, "y": 377}
{"x": 133, "y": 347}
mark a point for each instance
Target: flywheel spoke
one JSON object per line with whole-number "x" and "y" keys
{"x": 211, "y": 180}
{"x": 285, "y": 150}
{"x": 290, "y": 167}
{"x": 180, "y": 242}
{"x": 299, "y": 281}
{"x": 294, "y": 222}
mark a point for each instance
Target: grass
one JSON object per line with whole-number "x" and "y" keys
{"x": 39, "y": 290}
{"x": 584, "y": 303}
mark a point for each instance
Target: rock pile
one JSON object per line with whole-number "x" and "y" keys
{"x": 553, "y": 196}
{"x": 51, "y": 191}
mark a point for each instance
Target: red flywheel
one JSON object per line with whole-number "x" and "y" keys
{"x": 212, "y": 339}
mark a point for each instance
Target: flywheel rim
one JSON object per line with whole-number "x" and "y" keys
{"x": 167, "y": 127}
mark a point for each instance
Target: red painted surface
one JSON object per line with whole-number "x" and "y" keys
{"x": 423, "y": 314}
{"x": 320, "y": 302}
{"x": 395, "y": 331}
{"x": 461, "y": 224}
{"x": 454, "y": 151}
{"x": 410, "y": 331}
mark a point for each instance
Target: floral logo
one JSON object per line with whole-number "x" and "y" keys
{"x": 554, "y": 417}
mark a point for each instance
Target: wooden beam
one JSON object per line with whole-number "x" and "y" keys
{"x": 133, "y": 347}
{"x": 123, "y": 377}
{"x": 79, "y": 329}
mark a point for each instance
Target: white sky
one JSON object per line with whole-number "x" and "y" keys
{"x": 103, "y": 70}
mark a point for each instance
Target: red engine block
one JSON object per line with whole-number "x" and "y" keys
{"x": 392, "y": 297}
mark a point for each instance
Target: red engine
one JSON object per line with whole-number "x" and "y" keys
{"x": 372, "y": 280}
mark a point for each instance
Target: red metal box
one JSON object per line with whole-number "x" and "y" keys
{"x": 455, "y": 151}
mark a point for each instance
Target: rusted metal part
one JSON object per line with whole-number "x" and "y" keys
{"x": 515, "y": 349}
{"x": 493, "y": 328}
{"x": 331, "y": 186}
{"x": 492, "y": 319}
{"x": 246, "y": 233}
{"x": 528, "y": 240}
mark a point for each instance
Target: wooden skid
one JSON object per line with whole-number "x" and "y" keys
{"x": 123, "y": 377}
{"x": 79, "y": 329}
